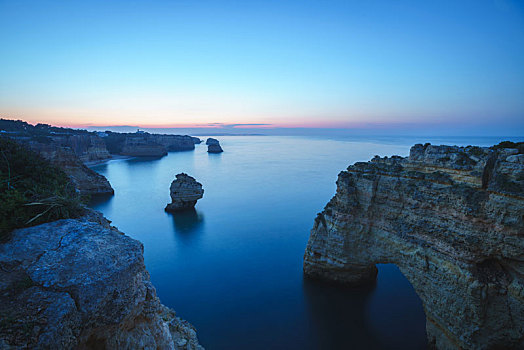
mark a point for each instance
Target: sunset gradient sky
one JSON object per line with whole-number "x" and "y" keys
{"x": 336, "y": 64}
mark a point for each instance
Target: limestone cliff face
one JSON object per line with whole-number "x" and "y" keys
{"x": 82, "y": 284}
{"x": 451, "y": 219}
{"x": 87, "y": 147}
{"x": 85, "y": 180}
{"x": 148, "y": 145}
{"x": 177, "y": 142}
{"x": 140, "y": 146}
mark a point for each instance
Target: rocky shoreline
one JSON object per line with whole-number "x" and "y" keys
{"x": 76, "y": 150}
{"x": 452, "y": 219}
{"x": 81, "y": 283}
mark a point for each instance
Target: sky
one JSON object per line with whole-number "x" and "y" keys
{"x": 264, "y": 64}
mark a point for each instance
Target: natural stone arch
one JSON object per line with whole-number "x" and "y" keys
{"x": 452, "y": 229}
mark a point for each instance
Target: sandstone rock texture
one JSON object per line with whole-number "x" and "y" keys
{"x": 88, "y": 147}
{"x": 82, "y": 284}
{"x": 141, "y": 146}
{"x": 85, "y": 180}
{"x": 452, "y": 219}
{"x": 185, "y": 191}
{"x": 176, "y": 142}
{"x": 144, "y": 144}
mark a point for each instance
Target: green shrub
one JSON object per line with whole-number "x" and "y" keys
{"x": 32, "y": 191}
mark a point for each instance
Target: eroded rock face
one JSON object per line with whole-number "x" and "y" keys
{"x": 82, "y": 284}
{"x": 85, "y": 180}
{"x": 451, "y": 218}
{"x": 88, "y": 147}
{"x": 185, "y": 191}
{"x": 142, "y": 146}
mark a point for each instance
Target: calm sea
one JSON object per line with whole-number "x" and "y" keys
{"x": 233, "y": 267}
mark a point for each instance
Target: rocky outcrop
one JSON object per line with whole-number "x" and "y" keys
{"x": 214, "y": 149}
{"x": 184, "y": 191}
{"x": 451, "y": 219}
{"x": 212, "y": 141}
{"x": 213, "y": 146}
{"x": 85, "y": 180}
{"x": 82, "y": 284}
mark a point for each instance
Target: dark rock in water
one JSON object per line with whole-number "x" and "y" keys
{"x": 185, "y": 191}
{"x": 212, "y": 141}
{"x": 214, "y": 148}
{"x": 451, "y": 219}
{"x": 82, "y": 284}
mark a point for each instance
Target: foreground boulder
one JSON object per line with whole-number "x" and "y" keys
{"x": 185, "y": 191}
{"x": 82, "y": 284}
{"x": 451, "y": 219}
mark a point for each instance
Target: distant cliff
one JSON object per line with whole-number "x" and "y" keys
{"x": 452, "y": 220}
{"x": 145, "y": 144}
{"x": 80, "y": 283}
{"x": 88, "y": 148}
{"x": 70, "y": 148}
{"x": 92, "y": 146}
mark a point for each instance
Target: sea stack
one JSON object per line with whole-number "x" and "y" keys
{"x": 213, "y": 146}
{"x": 184, "y": 191}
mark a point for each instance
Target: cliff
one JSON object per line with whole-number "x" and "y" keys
{"x": 140, "y": 146}
{"x": 88, "y": 147}
{"x": 451, "y": 219}
{"x": 176, "y": 142}
{"x": 85, "y": 180}
{"x": 145, "y": 144}
{"x": 82, "y": 284}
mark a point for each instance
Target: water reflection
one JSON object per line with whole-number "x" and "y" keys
{"x": 100, "y": 201}
{"x": 187, "y": 223}
{"x": 338, "y": 315}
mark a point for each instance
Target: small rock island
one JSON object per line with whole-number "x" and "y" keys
{"x": 184, "y": 191}
{"x": 213, "y": 146}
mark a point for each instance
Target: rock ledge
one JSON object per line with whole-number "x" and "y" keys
{"x": 82, "y": 284}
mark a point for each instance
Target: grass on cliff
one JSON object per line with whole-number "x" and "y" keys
{"x": 32, "y": 191}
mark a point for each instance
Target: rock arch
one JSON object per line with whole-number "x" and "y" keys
{"x": 451, "y": 219}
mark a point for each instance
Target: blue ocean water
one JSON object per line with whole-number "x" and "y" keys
{"x": 233, "y": 266}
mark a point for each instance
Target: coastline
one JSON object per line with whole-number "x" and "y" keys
{"x": 94, "y": 163}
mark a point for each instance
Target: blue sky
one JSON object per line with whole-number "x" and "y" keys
{"x": 284, "y": 63}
